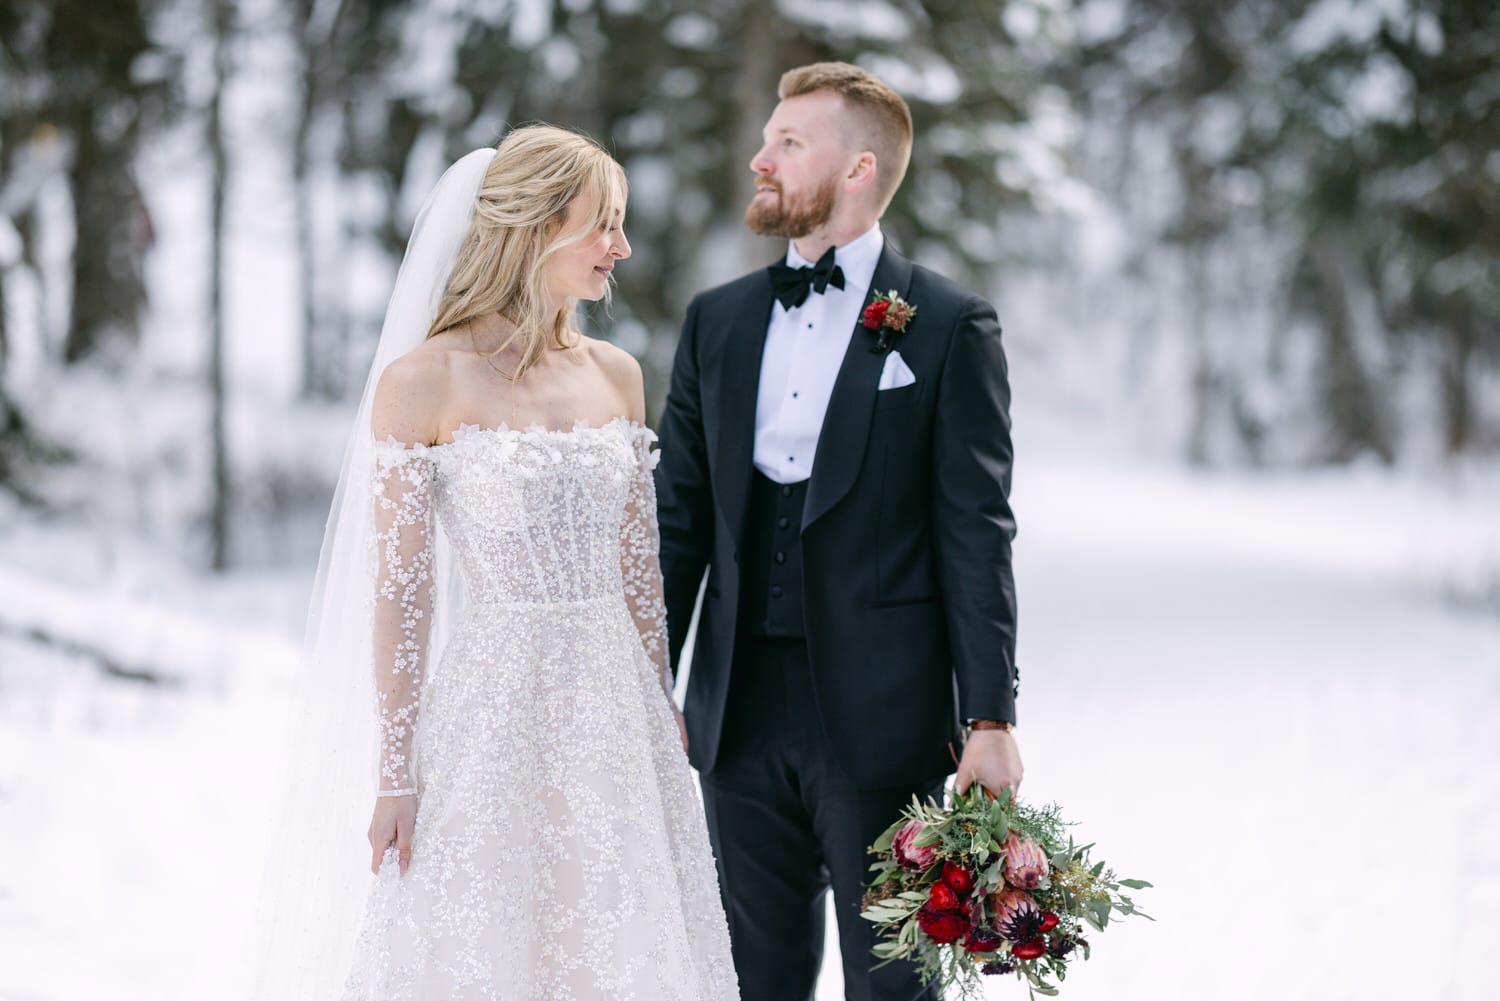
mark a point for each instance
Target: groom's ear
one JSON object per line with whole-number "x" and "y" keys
{"x": 863, "y": 172}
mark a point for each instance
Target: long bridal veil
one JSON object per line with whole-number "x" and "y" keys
{"x": 317, "y": 874}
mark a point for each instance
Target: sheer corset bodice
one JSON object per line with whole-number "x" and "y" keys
{"x": 536, "y": 516}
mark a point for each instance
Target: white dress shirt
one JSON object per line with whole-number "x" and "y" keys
{"x": 805, "y": 347}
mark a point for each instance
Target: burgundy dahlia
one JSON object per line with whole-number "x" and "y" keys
{"x": 982, "y": 940}
{"x": 943, "y": 927}
{"x": 999, "y": 967}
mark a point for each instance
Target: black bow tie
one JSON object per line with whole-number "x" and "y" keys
{"x": 793, "y": 284}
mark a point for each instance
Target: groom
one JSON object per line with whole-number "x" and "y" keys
{"x": 843, "y": 477}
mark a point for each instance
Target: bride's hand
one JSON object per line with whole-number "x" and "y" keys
{"x": 392, "y": 823}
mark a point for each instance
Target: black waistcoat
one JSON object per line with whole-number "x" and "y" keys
{"x": 771, "y": 561}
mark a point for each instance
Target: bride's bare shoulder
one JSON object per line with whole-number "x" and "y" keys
{"x": 623, "y": 371}
{"x": 410, "y": 394}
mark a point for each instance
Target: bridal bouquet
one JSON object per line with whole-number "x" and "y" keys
{"x": 988, "y": 887}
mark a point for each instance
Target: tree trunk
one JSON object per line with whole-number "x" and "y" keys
{"x": 98, "y": 101}
{"x": 1349, "y": 402}
{"x": 315, "y": 30}
{"x": 1195, "y": 237}
{"x": 219, "y": 515}
{"x": 310, "y": 382}
{"x": 109, "y": 291}
{"x": 754, "y": 99}
{"x": 313, "y": 383}
{"x": 1458, "y": 393}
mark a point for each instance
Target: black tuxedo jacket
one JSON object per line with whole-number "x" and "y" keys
{"x": 909, "y": 600}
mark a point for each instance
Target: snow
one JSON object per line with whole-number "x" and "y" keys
{"x": 1253, "y": 692}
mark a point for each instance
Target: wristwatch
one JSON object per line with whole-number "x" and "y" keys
{"x": 989, "y": 724}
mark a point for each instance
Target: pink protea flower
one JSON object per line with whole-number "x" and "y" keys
{"x": 909, "y": 855}
{"x": 1025, "y": 862}
{"x": 1017, "y": 916}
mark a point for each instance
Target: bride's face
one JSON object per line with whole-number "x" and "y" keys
{"x": 581, "y": 269}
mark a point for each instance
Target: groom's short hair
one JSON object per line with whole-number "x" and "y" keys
{"x": 882, "y": 117}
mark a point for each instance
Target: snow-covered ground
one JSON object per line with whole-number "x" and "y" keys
{"x": 1276, "y": 698}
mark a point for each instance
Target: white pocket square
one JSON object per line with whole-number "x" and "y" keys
{"x": 895, "y": 374}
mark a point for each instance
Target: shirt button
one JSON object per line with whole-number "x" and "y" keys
{"x": 809, "y": 326}
{"x": 781, "y": 557}
{"x": 776, "y": 591}
{"x": 786, "y": 490}
{"x": 794, "y": 394}
{"x": 782, "y": 522}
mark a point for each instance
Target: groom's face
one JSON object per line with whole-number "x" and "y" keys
{"x": 798, "y": 166}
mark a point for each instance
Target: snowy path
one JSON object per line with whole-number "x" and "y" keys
{"x": 1252, "y": 697}
{"x": 1249, "y": 693}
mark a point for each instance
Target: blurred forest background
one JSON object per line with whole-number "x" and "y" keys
{"x": 1255, "y": 232}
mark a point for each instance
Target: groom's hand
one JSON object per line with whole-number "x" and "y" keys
{"x": 991, "y": 758}
{"x": 681, "y": 727}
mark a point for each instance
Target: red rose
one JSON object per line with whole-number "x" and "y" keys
{"x": 959, "y": 878}
{"x": 1049, "y": 921}
{"x": 1029, "y": 950}
{"x": 982, "y": 940}
{"x": 943, "y": 927}
{"x": 943, "y": 898}
{"x": 875, "y": 313}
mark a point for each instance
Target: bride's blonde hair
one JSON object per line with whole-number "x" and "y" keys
{"x": 537, "y": 171}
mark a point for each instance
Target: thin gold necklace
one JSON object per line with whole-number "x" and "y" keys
{"x": 490, "y": 360}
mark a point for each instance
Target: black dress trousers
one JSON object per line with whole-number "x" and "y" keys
{"x": 787, "y": 826}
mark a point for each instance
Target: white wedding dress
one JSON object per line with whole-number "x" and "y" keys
{"x": 560, "y": 850}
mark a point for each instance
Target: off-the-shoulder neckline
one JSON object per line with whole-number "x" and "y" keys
{"x": 464, "y": 430}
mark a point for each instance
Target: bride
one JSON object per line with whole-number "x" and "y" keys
{"x": 535, "y": 832}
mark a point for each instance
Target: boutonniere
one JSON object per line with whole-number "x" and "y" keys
{"x": 888, "y": 316}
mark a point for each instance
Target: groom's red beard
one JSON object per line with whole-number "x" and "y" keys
{"x": 780, "y": 216}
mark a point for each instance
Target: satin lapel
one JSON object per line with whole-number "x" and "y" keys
{"x": 739, "y": 387}
{"x": 846, "y": 426}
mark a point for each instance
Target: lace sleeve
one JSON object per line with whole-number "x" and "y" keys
{"x": 402, "y": 495}
{"x": 640, "y": 566}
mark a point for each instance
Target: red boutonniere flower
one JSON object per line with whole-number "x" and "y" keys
{"x": 887, "y": 315}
